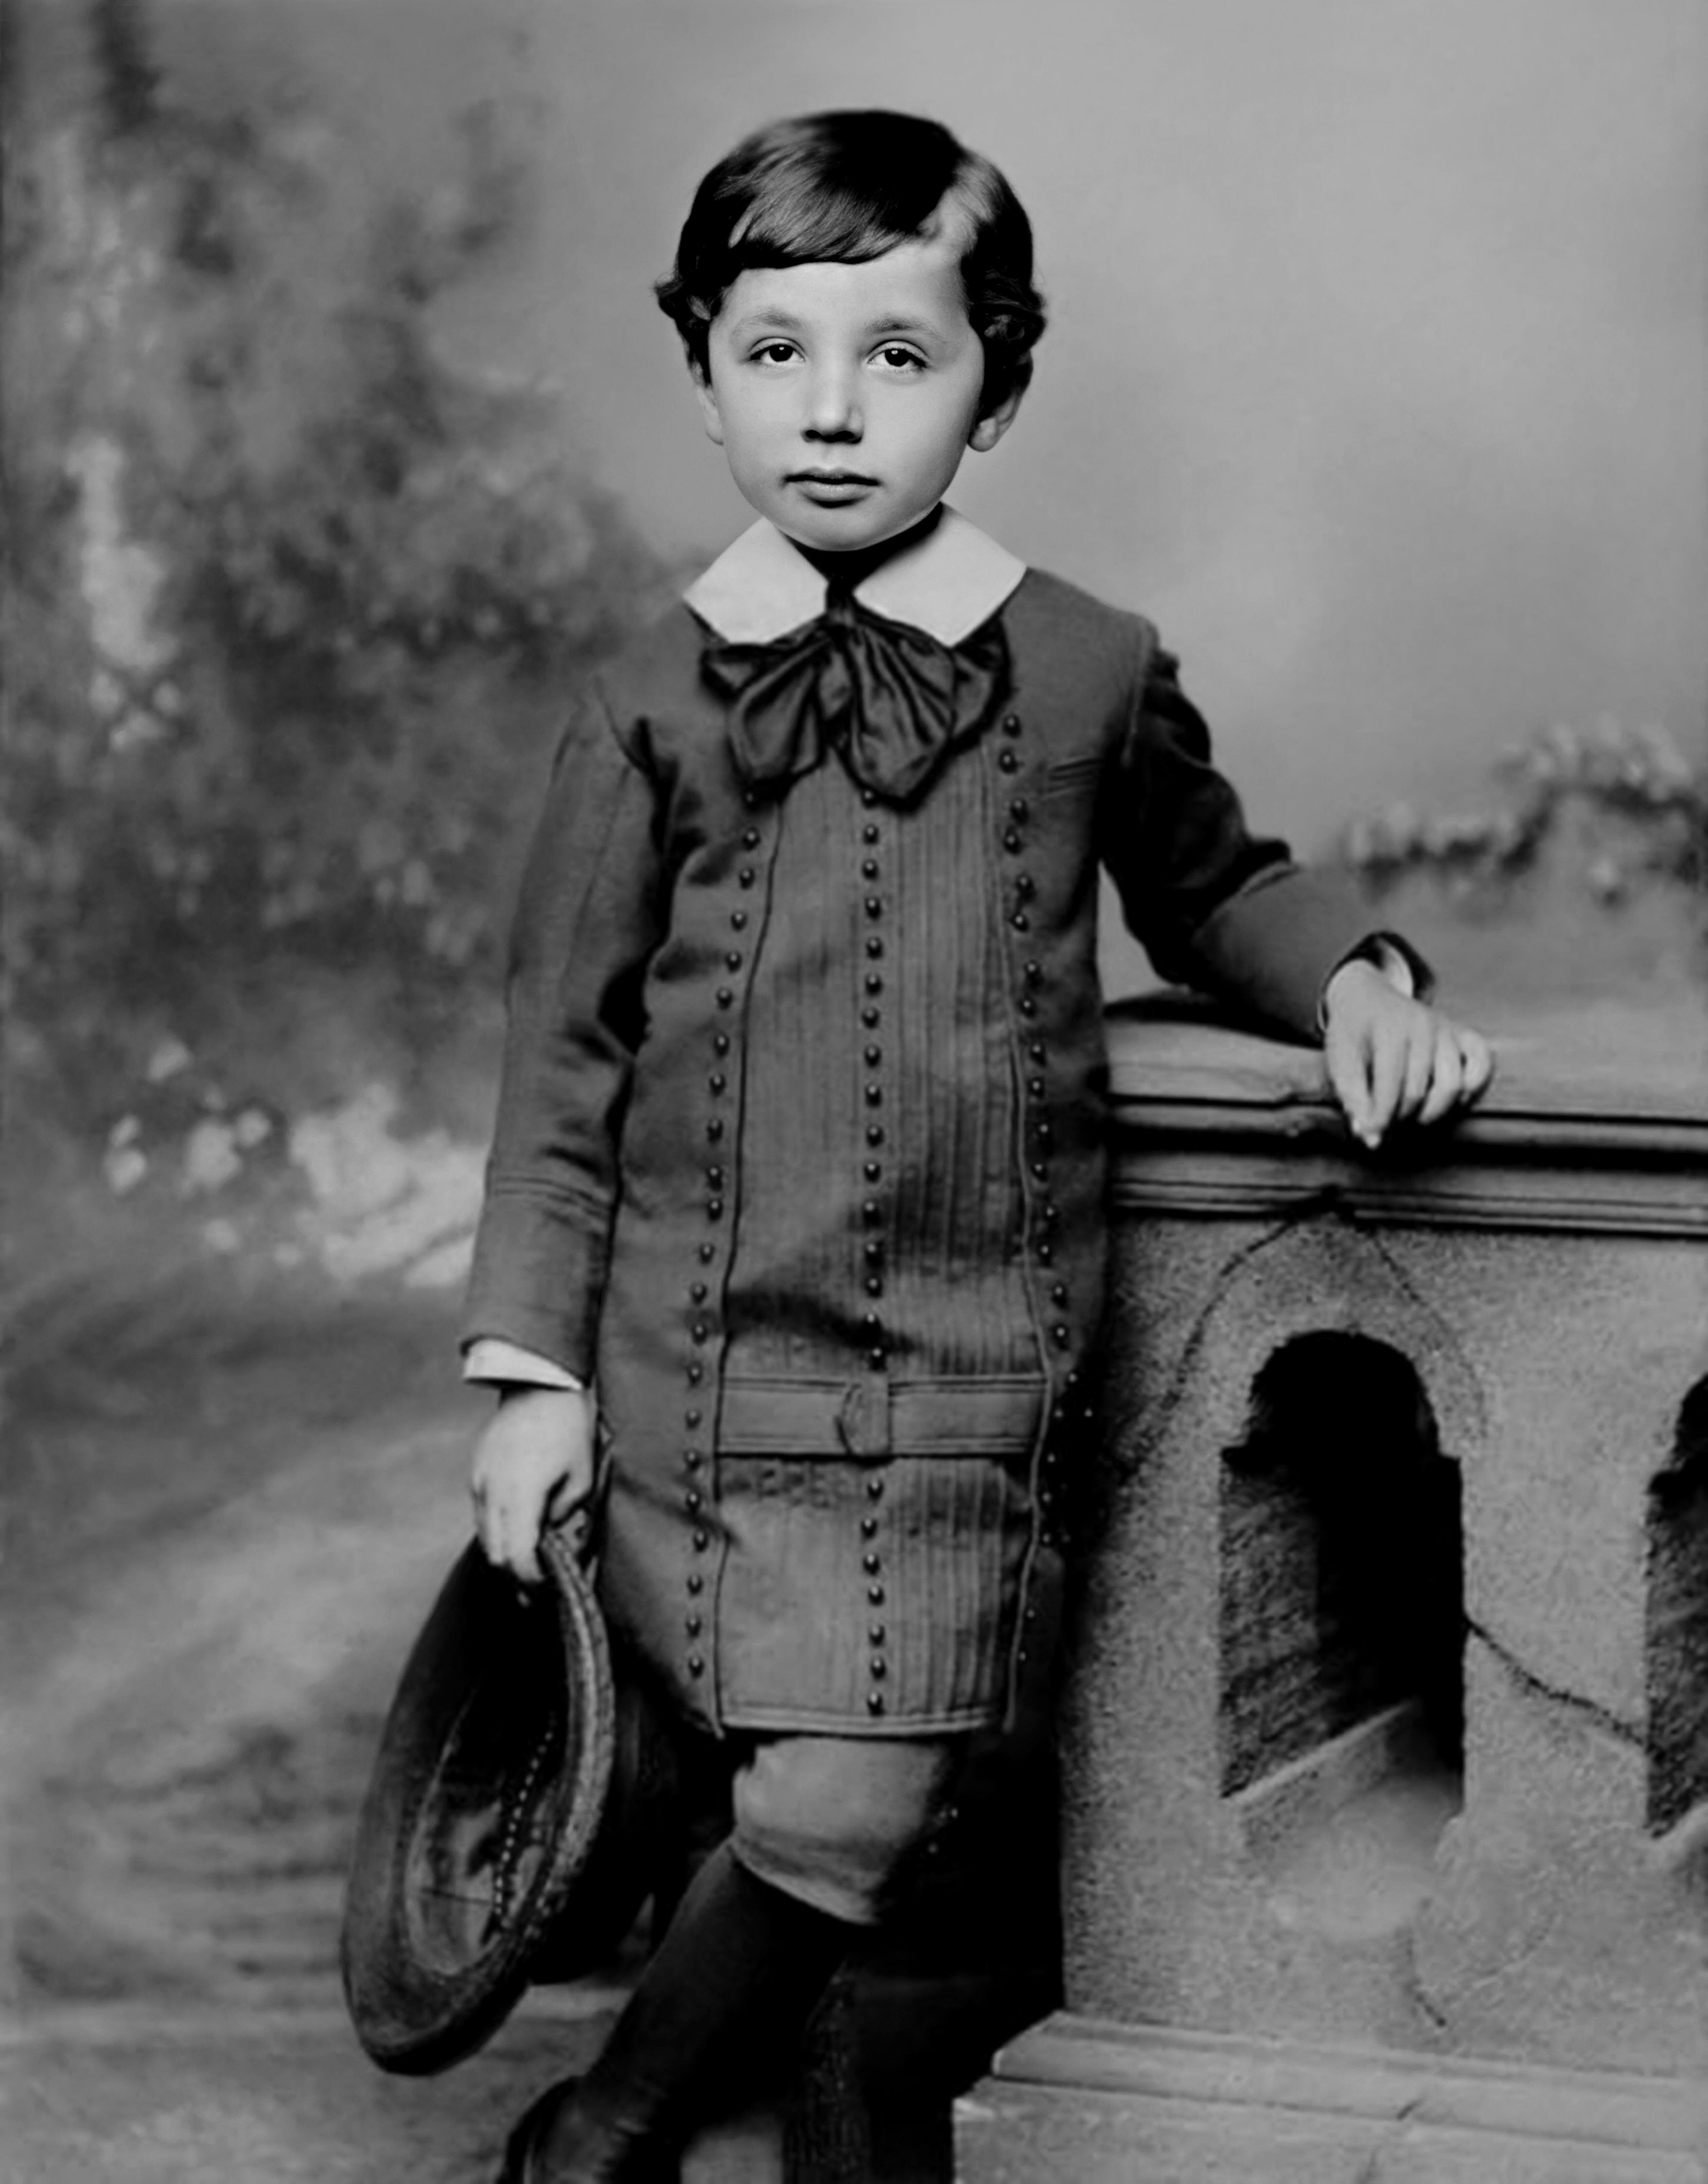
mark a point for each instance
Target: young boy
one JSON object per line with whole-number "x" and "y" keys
{"x": 798, "y": 1162}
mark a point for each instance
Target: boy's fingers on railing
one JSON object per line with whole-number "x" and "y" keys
{"x": 1423, "y": 1065}
{"x": 1348, "y": 1076}
{"x": 1446, "y": 1077}
{"x": 1479, "y": 1063}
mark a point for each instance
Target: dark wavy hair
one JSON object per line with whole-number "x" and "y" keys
{"x": 849, "y": 186}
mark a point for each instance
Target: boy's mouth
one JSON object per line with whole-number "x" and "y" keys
{"x": 830, "y": 478}
{"x": 830, "y": 489}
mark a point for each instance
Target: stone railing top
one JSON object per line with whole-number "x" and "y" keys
{"x": 1598, "y": 1118}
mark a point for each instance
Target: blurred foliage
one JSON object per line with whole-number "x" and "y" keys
{"x": 293, "y": 604}
{"x": 1624, "y": 807}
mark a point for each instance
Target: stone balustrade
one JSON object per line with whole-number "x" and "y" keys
{"x": 1386, "y": 1743}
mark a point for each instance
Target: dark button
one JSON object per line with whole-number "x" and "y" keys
{"x": 700, "y": 1330}
{"x": 868, "y": 833}
{"x": 714, "y": 1176}
{"x": 871, "y": 1212}
{"x": 1058, "y": 1293}
{"x": 874, "y": 1701}
{"x": 749, "y": 838}
{"x": 1038, "y": 1051}
{"x": 708, "y": 1252}
{"x": 874, "y": 982}
{"x": 1019, "y": 810}
{"x": 720, "y": 1042}
{"x": 1012, "y": 842}
{"x": 697, "y": 1292}
{"x": 876, "y": 1360}
{"x": 874, "y": 1487}
{"x": 872, "y": 1248}
{"x": 714, "y": 1209}
{"x": 746, "y": 876}
{"x": 733, "y": 959}
{"x": 872, "y": 1171}
{"x": 868, "y": 1527}
{"x": 874, "y": 1133}
{"x": 697, "y": 1666}
{"x": 880, "y": 1668}
{"x": 1045, "y": 1133}
{"x": 874, "y": 1285}
{"x": 875, "y": 945}
{"x": 693, "y": 1458}
{"x": 724, "y": 998}
{"x": 874, "y": 1095}
{"x": 1038, "y": 1172}
{"x": 696, "y": 1371}
{"x": 702, "y": 1541}
{"x": 693, "y": 1502}
{"x": 875, "y": 1593}
{"x": 871, "y": 1564}
{"x": 1052, "y": 1214}
{"x": 1009, "y": 760}
{"x": 870, "y": 1323}
{"x": 873, "y": 1056}
{"x": 696, "y": 1584}
{"x": 874, "y": 905}
{"x": 690, "y": 1419}
{"x": 1034, "y": 1087}
{"x": 1026, "y": 886}
{"x": 868, "y": 797}
{"x": 1020, "y": 920}
{"x": 718, "y": 1082}
{"x": 1028, "y": 1006}
{"x": 1046, "y": 1253}
{"x": 868, "y": 868}
{"x": 871, "y": 1018}
{"x": 714, "y": 1132}
{"x": 694, "y": 1625}
{"x": 1061, "y": 1334}
{"x": 738, "y": 918}
{"x": 1011, "y": 724}
{"x": 876, "y": 1634}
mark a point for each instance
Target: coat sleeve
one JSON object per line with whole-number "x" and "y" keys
{"x": 1214, "y": 906}
{"x": 588, "y": 919}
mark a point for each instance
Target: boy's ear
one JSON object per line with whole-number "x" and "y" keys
{"x": 995, "y": 422}
{"x": 708, "y": 402}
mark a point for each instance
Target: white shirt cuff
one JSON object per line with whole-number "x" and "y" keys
{"x": 492, "y": 1360}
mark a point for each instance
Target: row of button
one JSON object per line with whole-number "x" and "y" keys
{"x": 703, "y": 1322}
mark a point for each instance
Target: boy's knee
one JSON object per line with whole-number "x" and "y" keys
{"x": 836, "y": 1820}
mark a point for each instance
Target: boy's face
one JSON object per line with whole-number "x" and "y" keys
{"x": 845, "y": 396}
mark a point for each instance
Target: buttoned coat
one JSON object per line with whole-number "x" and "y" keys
{"x": 800, "y": 1148}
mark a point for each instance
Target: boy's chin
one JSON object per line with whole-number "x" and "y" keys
{"x": 839, "y": 531}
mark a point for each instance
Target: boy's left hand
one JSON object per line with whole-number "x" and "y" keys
{"x": 1392, "y": 1059}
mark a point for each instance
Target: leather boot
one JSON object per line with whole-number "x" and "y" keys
{"x": 722, "y": 2003}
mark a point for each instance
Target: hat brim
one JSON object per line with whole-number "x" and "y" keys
{"x": 492, "y": 1779}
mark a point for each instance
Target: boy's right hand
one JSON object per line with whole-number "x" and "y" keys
{"x": 533, "y": 1466}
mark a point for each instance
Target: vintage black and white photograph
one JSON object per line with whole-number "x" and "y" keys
{"x": 855, "y": 1092}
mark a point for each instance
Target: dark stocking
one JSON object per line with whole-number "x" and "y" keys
{"x": 724, "y": 2001}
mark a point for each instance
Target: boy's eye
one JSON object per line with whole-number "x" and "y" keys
{"x": 776, "y": 352}
{"x": 901, "y": 359}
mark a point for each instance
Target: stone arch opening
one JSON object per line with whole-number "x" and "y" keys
{"x": 1676, "y": 1615}
{"x": 1343, "y": 1633}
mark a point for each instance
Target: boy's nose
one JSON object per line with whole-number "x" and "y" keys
{"x": 832, "y": 407}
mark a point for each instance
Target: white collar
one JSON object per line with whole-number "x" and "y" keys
{"x": 948, "y": 583}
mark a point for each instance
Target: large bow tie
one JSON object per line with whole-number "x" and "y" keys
{"x": 887, "y": 698}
